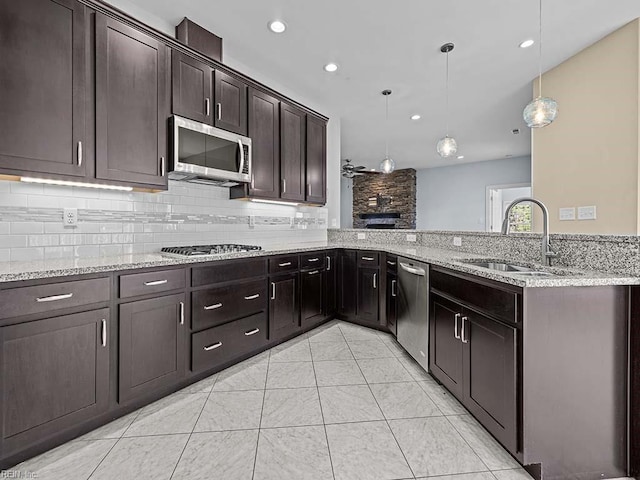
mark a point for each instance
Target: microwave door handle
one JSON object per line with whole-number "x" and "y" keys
{"x": 241, "y": 156}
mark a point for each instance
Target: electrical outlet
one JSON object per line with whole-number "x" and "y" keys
{"x": 70, "y": 217}
{"x": 457, "y": 241}
{"x": 362, "y": 236}
{"x": 587, "y": 213}
{"x": 252, "y": 221}
{"x": 568, "y": 213}
{"x": 412, "y": 237}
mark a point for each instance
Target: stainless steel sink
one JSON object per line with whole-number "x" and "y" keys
{"x": 509, "y": 268}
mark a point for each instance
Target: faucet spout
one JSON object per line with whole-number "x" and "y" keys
{"x": 547, "y": 253}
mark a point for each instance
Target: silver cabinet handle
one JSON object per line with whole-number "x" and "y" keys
{"x": 284, "y": 185}
{"x": 309, "y": 190}
{"x": 455, "y": 326}
{"x": 328, "y": 263}
{"x": 285, "y": 264}
{"x": 207, "y": 106}
{"x": 103, "y": 333}
{"x": 181, "y": 313}
{"x": 393, "y": 288}
{"x": 213, "y": 307}
{"x": 375, "y": 280}
{"x": 313, "y": 260}
{"x": 162, "y": 167}
{"x": 79, "y": 154}
{"x": 391, "y": 263}
{"x": 415, "y": 270}
{"x": 54, "y": 298}
{"x": 252, "y": 297}
{"x": 241, "y": 147}
{"x": 314, "y": 272}
{"x": 155, "y": 283}
{"x": 252, "y": 332}
{"x": 464, "y": 337}
{"x": 273, "y": 291}
{"x": 219, "y": 108}
{"x": 368, "y": 259}
{"x": 213, "y": 347}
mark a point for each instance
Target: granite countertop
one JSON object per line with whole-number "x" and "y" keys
{"x": 565, "y": 277}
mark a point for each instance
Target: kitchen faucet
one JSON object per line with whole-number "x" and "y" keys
{"x": 547, "y": 253}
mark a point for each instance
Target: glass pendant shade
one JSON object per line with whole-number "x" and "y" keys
{"x": 387, "y": 165}
{"x": 540, "y": 112}
{"x": 447, "y": 147}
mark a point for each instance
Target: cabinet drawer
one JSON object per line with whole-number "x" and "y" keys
{"x": 310, "y": 261}
{"x": 391, "y": 264}
{"x": 501, "y": 304}
{"x": 151, "y": 282}
{"x": 54, "y": 296}
{"x": 288, "y": 263}
{"x": 218, "y": 305}
{"x": 368, "y": 259}
{"x": 218, "y": 345}
{"x": 229, "y": 271}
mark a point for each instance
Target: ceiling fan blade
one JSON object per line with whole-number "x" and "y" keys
{"x": 361, "y": 167}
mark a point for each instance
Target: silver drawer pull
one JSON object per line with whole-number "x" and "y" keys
{"x": 375, "y": 280}
{"x": 273, "y": 290}
{"x": 103, "y": 333}
{"x": 252, "y": 332}
{"x": 394, "y": 284}
{"x": 455, "y": 326}
{"x": 252, "y": 297}
{"x": 79, "y": 154}
{"x": 369, "y": 259}
{"x": 207, "y": 107}
{"x": 313, "y": 259}
{"x": 285, "y": 264}
{"x": 391, "y": 263}
{"x": 54, "y": 298}
{"x": 181, "y": 313}
{"x": 213, "y": 347}
{"x": 155, "y": 283}
{"x": 464, "y": 338}
{"x": 328, "y": 264}
{"x": 213, "y": 307}
{"x": 314, "y": 272}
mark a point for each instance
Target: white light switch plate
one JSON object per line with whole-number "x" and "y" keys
{"x": 587, "y": 213}
{"x": 567, "y": 213}
{"x": 362, "y": 236}
{"x": 334, "y": 222}
{"x": 457, "y": 241}
{"x": 411, "y": 237}
{"x": 70, "y": 217}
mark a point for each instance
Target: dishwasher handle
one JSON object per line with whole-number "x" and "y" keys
{"x": 414, "y": 270}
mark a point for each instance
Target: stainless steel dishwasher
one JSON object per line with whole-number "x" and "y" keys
{"x": 413, "y": 319}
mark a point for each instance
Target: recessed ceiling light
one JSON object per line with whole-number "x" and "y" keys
{"x": 415, "y": 117}
{"x": 526, "y": 43}
{"x": 277, "y": 26}
{"x": 330, "y": 67}
{"x": 373, "y": 169}
{"x": 460, "y": 157}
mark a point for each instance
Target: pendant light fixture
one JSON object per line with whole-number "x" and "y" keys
{"x": 447, "y": 146}
{"x": 541, "y": 111}
{"x": 387, "y": 165}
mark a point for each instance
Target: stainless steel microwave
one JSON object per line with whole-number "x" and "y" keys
{"x": 204, "y": 154}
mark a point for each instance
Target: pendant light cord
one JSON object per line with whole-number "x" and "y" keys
{"x": 540, "y": 56}
{"x": 386, "y": 124}
{"x": 447, "y": 95}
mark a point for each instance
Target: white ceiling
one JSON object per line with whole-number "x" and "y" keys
{"x": 396, "y": 45}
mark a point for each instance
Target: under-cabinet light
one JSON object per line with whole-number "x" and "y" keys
{"x": 276, "y": 202}
{"x": 65, "y": 183}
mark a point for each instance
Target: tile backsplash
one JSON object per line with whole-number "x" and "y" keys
{"x": 116, "y": 223}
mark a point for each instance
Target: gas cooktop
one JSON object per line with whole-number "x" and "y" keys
{"x": 204, "y": 250}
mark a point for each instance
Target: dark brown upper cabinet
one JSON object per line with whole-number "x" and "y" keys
{"x": 264, "y": 130}
{"x": 231, "y": 103}
{"x": 132, "y": 105}
{"x": 43, "y": 83}
{"x": 192, "y": 88}
{"x": 316, "y": 160}
{"x": 292, "y": 153}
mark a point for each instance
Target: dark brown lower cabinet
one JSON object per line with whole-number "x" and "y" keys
{"x": 311, "y": 297}
{"x": 54, "y": 375}
{"x": 284, "y": 311}
{"x": 368, "y": 295}
{"x": 347, "y": 282}
{"x": 445, "y": 348}
{"x": 152, "y": 345}
{"x": 392, "y": 302}
{"x": 331, "y": 285}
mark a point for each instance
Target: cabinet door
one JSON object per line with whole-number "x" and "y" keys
{"x": 192, "y": 95}
{"x": 231, "y": 103}
{"x": 347, "y": 282}
{"x": 54, "y": 374}
{"x": 445, "y": 351}
{"x": 311, "y": 297}
{"x": 392, "y": 302}
{"x": 331, "y": 285}
{"x": 316, "y": 160}
{"x": 152, "y": 342}
{"x": 42, "y": 86}
{"x": 368, "y": 288}
{"x": 264, "y": 130}
{"x": 132, "y": 108}
{"x": 490, "y": 388}
{"x": 284, "y": 310}
{"x": 292, "y": 153}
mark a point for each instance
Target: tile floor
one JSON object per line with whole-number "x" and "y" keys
{"x": 342, "y": 402}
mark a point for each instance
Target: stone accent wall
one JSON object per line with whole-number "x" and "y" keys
{"x": 396, "y": 192}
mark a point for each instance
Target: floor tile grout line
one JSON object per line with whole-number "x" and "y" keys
{"x": 385, "y": 417}
{"x": 470, "y": 446}
{"x": 264, "y": 395}
{"x": 324, "y": 425}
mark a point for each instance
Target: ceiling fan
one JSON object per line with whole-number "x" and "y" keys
{"x": 349, "y": 170}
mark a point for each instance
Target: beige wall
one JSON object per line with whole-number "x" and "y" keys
{"x": 590, "y": 154}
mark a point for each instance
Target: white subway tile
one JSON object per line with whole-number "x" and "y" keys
{"x": 27, "y": 227}
{"x": 43, "y": 240}
{"x": 13, "y": 200}
{"x": 86, "y": 251}
{"x": 13, "y": 241}
{"x": 5, "y": 228}
{"x": 26, "y": 188}
{"x": 27, "y": 254}
{"x": 42, "y": 201}
{"x": 5, "y": 254}
{"x": 110, "y": 250}
{"x": 58, "y": 252}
